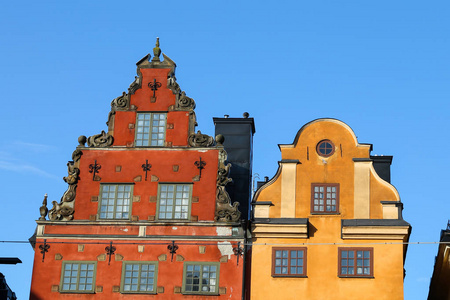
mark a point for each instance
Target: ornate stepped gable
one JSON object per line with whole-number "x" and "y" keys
{"x": 225, "y": 210}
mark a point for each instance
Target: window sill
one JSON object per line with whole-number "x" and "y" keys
{"x": 173, "y": 220}
{"x": 77, "y": 292}
{"x": 138, "y": 293}
{"x": 200, "y": 294}
{"x": 355, "y": 276}
{"x": 325, "y": 214}
{"x": 289, "y": 276}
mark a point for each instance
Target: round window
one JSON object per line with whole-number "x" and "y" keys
{"x": 325, "y": 148}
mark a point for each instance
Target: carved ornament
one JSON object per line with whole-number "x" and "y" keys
{"x": 200, "y": 140}
{"x": 156, "y": 51}
{"x": 222, "y": 173}
{"x": 63, "y": 211}
{"x": 43, "y": 210}
{"x": 184, "y": 102}
{"x": 120, "y": 103}
{"x": 76, "y": 155}
{"x": 225, "y": 210}
{"x": 172, "y": 84}
{"x": 100, "y": 140}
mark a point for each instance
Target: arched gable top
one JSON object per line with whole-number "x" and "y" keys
{"x": 304, "y": 151}
{"x": 326, "y": 128}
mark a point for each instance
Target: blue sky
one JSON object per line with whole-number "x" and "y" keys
{"x": 380, "y": 66}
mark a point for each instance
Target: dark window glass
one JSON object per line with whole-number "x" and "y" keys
{"x": 325, "y": 148}
{"x": 289, "y": 262}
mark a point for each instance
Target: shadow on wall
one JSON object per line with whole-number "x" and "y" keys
{"x": 311, "y": 229}
{"x": 34, "y": 297}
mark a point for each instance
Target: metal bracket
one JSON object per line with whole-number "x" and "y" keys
{"x": 173, "y": 249}
{"x": 94, "y": 168}
{"x": 146, "y": 167}
{"x": 238, "y": 251}
{"x": 44, "y": 248}
{"x": 110, "y": 251}
{"x": 200, "y": 164}
{"x": 154, "y": 86}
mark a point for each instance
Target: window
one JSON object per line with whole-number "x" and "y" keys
{"x": 324, "y": 198}
{"x": 356, "y": 262}
{"x": 139, "y": 277}
{"x": 289, "y": 262}
{"x": 174, "y": 201}
{"x": 150, "y": 129}
{"x": 115, "y": 201}
{"x": 325, "y": 148}
{"x": 201, "y": 278}
{"x": 78, "y": 277}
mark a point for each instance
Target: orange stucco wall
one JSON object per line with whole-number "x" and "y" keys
{"x": 322, "y": 279}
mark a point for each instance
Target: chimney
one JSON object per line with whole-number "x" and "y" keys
{"x": 382, "y": 165}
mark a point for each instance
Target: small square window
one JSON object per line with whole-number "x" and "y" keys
{"x": 325, "y": 198}
{"x": 356, "y": 262}
{"x": 174, "y": 201}
{"x": 115, "y": 201}
{"x": 201, "y": 278}
{"x": 139, "y": 277}
{"x": 289, "y": 262}
{"x": 150, "y": 129}
{"x": 78, "y": 277}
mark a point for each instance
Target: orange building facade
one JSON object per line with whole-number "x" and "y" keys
{"x": 328, "y": 225}
{"x": 146, "y": 213}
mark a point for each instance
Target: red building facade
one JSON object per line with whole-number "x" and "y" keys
{"x": 146, "y": 213}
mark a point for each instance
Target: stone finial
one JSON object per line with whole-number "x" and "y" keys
{"x": 156, "y": 51}
{"x": 43, "y": 210}
{"x": 245, "y": 115}
{"x": 220, "y": 139}
{"x": 82, "y": 140}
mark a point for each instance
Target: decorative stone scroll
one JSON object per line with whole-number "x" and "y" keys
{"x": 200, "y": 140}
{"x": 100, "y": 140}
{"x": 120, "y": 103}
{"x": 63, "y": 211}
{"x": 184, "y": 102}
{"x": 222, "y": 173}
{"x": 225, "y": 211}
{"x": 76, "y": 155}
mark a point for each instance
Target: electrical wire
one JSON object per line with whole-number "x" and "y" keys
{"x": 223, "y": 241}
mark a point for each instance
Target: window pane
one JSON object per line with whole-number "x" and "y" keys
{"x": 324, "y": 198}
{"x": 288, "y": 262}
{"x": 78, "y": 277}
{"x": 208, "y": 275}
{"x": 115, "y": 201}
{"x": 175, "y": 204}
{"x": 150, "y": 123}
{"x": 355, "y": 262}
